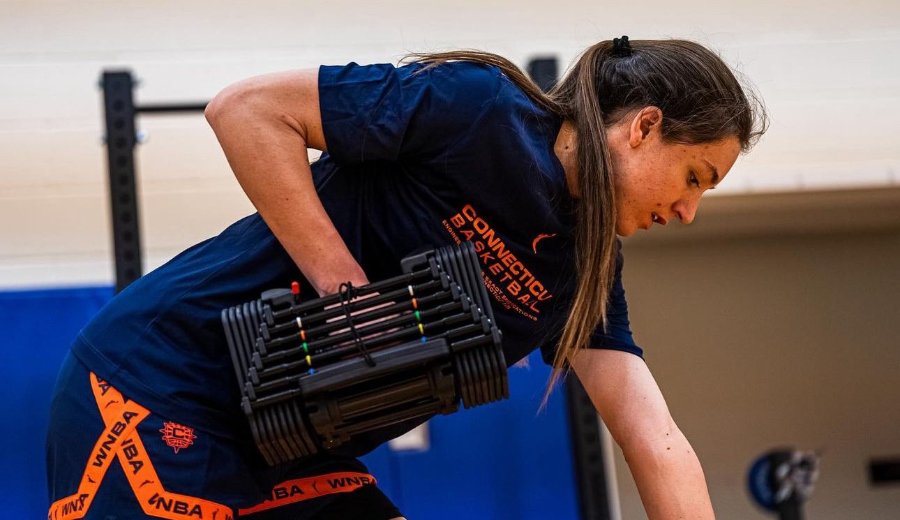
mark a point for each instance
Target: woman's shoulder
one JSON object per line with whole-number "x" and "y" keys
{"x": 464, "y": 71}
{"x": 464, "y": 82}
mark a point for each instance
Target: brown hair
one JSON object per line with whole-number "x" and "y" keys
{"x": 701, "y": 101}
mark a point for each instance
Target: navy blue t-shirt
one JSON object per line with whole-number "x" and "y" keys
{"x": 416, "y": 158}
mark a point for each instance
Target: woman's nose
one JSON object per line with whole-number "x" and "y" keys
{"x": 686, "y": 209}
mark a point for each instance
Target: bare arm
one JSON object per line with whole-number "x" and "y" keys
{"x": 665, "y": 468}
{"x": 265, "y": 125}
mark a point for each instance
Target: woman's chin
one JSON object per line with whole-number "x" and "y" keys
{"x": 625, "y": 229}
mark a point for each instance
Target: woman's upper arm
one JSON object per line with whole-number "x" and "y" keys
{"x": 291, "y": 98}
{"x": 625, "y": 394}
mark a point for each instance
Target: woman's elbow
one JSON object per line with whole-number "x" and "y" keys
{"x": 223, "y": 103}
{"x": 236, "y": 99}
{"x": 214, "y": 108}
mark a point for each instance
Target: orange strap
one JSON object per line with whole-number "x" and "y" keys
{"x": 121, "y": 418}
{"x": 298, "y": 490}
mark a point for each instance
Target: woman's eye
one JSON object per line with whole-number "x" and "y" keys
{"x": 694, "y": 180}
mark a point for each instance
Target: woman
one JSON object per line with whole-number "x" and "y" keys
{"x": 457, "y": 146}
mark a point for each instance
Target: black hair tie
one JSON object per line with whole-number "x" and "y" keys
{"x": 621, "y": 47}
{"x": 346, "y": 291}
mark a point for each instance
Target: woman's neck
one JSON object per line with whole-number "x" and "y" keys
{"x": 564, "y": 148}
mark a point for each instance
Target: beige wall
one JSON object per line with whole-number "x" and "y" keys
{"x": 826, "y": 70}
{"x": 779, "y": 337}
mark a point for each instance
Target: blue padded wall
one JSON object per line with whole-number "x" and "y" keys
{"x": 501, "y": 461}
{"x": 37, "y": 328}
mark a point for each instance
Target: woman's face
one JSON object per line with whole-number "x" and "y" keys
{"x": 658, "y": 181}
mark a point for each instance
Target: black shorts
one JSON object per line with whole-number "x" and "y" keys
{"x": 109, "y": 458}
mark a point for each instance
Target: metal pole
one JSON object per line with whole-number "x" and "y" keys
{"x": 587, "y": 447}
{"x": 168, "y": 109}
{"x": 118, "y": 102}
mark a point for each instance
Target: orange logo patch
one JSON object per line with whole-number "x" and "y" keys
{"x": 177, "y": 436}
{"x": 538, "y": 238}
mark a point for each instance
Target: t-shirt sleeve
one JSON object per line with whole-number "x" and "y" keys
{"x": 618, "y": 332}
{"x": 617, "y": 335}
{"x": 382, "y": 112}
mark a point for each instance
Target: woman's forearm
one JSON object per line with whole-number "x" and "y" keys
{"x": 669, "y": 477}
{"x": 662, "y": 462}
{"x": 266, "y": 146}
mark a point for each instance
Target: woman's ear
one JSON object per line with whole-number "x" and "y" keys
{"x": 644, "y": 124}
